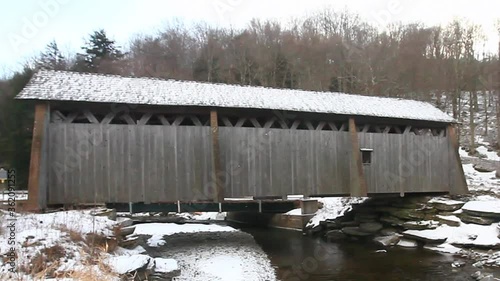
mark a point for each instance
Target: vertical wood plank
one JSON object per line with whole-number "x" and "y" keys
{"x": 458, "y": 176}
{"x": 37, "y": 185}
{"x": 216, "y": 168}
{"x": 358, "y": 182}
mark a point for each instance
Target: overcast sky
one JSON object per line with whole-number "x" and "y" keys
{"x": 27, "y": 26}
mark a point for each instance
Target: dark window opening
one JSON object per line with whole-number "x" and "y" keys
{"x": 366, "y": 156}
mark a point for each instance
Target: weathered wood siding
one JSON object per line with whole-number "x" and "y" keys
{"x": 128, "y": 163}
{"x": 403, "y": 163}
{"x": 134, "y": 163}
{"x": 276, "y": 162}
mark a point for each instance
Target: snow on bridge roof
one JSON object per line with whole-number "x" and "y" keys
{"x": 85, "y": 87}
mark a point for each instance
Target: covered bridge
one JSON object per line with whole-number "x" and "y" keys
{"x": 105, "y": 138}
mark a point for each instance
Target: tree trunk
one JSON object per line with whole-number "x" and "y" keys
{"x": 472, "y": 124}
{"x": 486, "y": 106}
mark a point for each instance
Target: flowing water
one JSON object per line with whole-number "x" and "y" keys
{"x": 297, "y": 257}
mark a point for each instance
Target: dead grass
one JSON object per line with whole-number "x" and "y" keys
{"x": 74, "y": 236}
{"x": 93, "y": 268}
{"x": 44, "y": 262}
{"x": 98, "y": 242}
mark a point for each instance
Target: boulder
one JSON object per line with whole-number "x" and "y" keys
{"x": 124, "y": 231}
{"x": 349, "y": 223}
{"x": 497, "y": 173}
{"x": 477, "y": 275}
{"x": 124, "y": 222}
{"x": 355, "y": 231}
{"x": 489, "y": 278}
{"x": 405, "y": 243}
{"x": 393, "y": 221}
{"x": 428, "y": 236}
{"x": 407, "y": 205}
{"x": 314, "y": 230}
{"x": 448, "y": 220}
{"x": 387, "y": 241}
{"x": 489, "y": 209}
{"x": 129, "y": 242}
{"x": 483, "y": 168}
{"x": 466, "y": 218}
{"x": 420, "y": 225}
{"x": 388, "y": 231}
{"x": 446, "y": 205}
{"x": 408, "y": 214}
{"x": 331, "y": 224}
{"x": 165, "y": 269}
{"x": 385, "y": 209}
{"x": 370, "y": 227}
{"x": 129, "y": 264}
{"x": 109, "y": 213}
{"x": 335, "y": 235}
{"x": 365, "y": 217}
{"x": 456, "y": 264}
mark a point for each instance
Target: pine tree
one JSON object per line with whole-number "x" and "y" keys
{"x": 16, "y": 127}
{"x": 100, "y": 51}
{"x": 52, "y": 58}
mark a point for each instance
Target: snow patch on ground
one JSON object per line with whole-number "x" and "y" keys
{"x": 130, "y": 252}
{"x": 156, "y": 241}
{"x": 165, "y": 229}
{"x": 203, "y": 216}
{"x": 483, "y": 206}
{"x": 333, "y": 208}
{"x": 38, "y": 232}
{"x": 449, "y": 218}
{"x": 445, "y": 201}
{"x": 490, "y": 155}
{"x": 209, "y": 252}
{"x": 233, "y": 268}
{"x": 166, "y": 265}
{"x": 463, "y": 153}
{"x": 127, "y": 264}
{"x": 478, "y": 181}
{"x": 224, "y": 263}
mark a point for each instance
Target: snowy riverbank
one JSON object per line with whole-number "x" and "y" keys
{"x": 76, "y": 245}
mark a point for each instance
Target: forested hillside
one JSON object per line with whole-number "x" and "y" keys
{"x": 329, "y": 51}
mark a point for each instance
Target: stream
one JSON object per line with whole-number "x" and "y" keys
{"x": 297, "y": 257}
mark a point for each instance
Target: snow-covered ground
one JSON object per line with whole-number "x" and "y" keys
{"x": 490, "y": 155}
{"x": 76, "y": 245}
{"x": 333, "y": 208}
{"x": 212, "y": 253}
{"x": 481, "y": 181}
{"x": 53, "y": 244}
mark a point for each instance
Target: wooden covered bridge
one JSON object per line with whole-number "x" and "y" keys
{"x": 111, "y": 139}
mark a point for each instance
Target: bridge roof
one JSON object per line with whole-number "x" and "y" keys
{"x": 99, "y": 88}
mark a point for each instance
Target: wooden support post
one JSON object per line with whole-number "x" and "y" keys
{"x": 37, "y": 181}
{"x": 216, "y": 172}
{"x": 358, "y": 182}
{"x": 458, "y": 183}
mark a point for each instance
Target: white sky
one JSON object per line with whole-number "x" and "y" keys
{"x": 26, "y": 27}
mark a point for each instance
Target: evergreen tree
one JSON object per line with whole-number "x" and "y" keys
{"x": 52, "y": 58}
{"x": 100, "y": 51}
{"x": 16, "y": 126}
